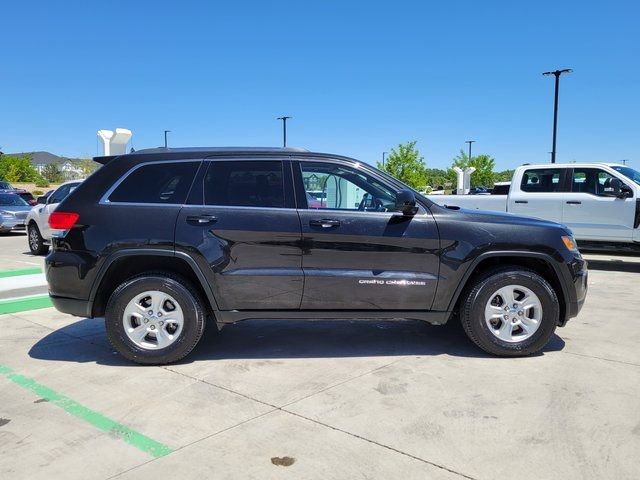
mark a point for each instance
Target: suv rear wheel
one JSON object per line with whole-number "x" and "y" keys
{"x": 155, "y": 318}
{"x": 510, "y": 311}
{"x": 36, "y": 242}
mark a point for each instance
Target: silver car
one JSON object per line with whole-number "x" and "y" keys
{"x": 13, "y": 212}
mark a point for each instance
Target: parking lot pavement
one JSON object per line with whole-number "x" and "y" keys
{"x": 328, "y": 399}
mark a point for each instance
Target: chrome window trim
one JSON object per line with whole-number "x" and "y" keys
{"x": 104, "y": 200}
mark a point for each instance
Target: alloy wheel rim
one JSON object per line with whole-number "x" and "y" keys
{"x": 153, "y": 320}
{"x": 513, "y": 313}
{"x": 33, "y": 239}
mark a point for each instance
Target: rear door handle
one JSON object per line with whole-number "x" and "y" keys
{"x": 522, "y": 201}
{"x": 574, "y": 202}
{"x": 324, "y": 223}
{"x": 201, "y": 219}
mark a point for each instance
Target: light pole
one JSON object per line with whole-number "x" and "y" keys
{"x": 383, "y": 155}
{"x": 284, "y": 129}
{"x": 470, "y": 142}
{"x": 556, "y": 73}
{"x": 165, "y": 138}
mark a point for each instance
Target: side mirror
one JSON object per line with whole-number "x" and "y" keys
{"x": 42, "y": 200}
{"x": 406, "y": 203}
{"x": 616, "y": 186}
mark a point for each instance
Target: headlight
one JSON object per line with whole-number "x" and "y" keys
{"x": 570, "y": 243}
{"x": 6, "y": 213}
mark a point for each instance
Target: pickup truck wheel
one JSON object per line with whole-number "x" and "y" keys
{"x": 36, "y": 242}
{"x": 155, "y": 318}
{"x": 510, "y": 311}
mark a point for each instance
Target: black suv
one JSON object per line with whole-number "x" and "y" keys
{"x": 160, "y": 241}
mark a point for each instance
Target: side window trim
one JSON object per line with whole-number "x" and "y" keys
{"x": 104, "y": 200}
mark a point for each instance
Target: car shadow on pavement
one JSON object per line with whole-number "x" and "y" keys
{"x": 614, "y": 266}
{"x": 274, "y": 339}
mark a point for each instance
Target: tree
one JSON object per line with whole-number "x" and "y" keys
{"x": 406, "y": 164}
{"x": 52, "y": 173}
{"x": 86, "y": 166}
{"x": 17, "y": 169}
{"x": 484, "y": 164}
{"x": 504, "y": 176}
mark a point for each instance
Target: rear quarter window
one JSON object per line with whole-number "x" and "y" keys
{"x": 164, "y": 182}
{"x": 542, "y": 180}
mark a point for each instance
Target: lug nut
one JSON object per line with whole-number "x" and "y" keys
{"x": 161, "y": 323}
{"x": 520, "y": 312}
{"x": 150, "y": 312}
{"x": 146, "y": 320}
{"x": 159, "y": 314}
{"x": 153, "y": 327}
{"x": 506, "y": 317}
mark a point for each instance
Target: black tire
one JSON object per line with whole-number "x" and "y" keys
{"x": 35, "y": 240}
{"x": 184, "y": 294}
{"x": 478, "y": 294}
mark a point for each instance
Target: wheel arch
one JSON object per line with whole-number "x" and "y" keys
{"x": 540, "y": 263}
{"x": 127, "y": 263}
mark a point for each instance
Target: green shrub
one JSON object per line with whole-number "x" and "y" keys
{"x": 42, "y": 183}
{"x": 37, "y": 193}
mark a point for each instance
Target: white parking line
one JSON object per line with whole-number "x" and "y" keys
{"x": 22, "y": 281}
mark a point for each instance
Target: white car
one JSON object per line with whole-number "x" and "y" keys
{"x": 38, "y": 231}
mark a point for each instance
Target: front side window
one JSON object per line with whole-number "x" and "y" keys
{"x": 241, "y": 183}
{"x": 591, "y": 180}
{"x": 163, "y": 182}
{"x": 542, "y": 180}
{"x": 60, "y": 194}
{"x": 336, "y": 187}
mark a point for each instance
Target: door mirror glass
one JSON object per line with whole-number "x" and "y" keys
{"x": 42, "y": 200}
{"x": 406, "y": 203}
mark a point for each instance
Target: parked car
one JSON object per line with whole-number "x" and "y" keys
{"x": 38, "y": 231}
{"x": 13, "y": 211}
{"x": 6, "y": 187}
{"x": 600, "y": 203}
{"x": 162, "y": 240}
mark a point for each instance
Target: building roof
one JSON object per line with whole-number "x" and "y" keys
{"x": 41, "y": 158}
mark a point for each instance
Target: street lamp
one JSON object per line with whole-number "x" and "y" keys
{"x": 470, "y": 142}
{"x": 383, "y": 155}
{"x": 556, "y": 73}
{"x": 165, "y": 138}
{"x": 284, "y": 129}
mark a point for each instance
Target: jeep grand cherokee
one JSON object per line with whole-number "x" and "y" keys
{"x": 161, "y": 241}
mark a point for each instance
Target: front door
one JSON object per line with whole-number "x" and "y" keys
{"x": 358, "y": 254}
{"x": 592, "y": 213}
{"x": 242, "y": 229}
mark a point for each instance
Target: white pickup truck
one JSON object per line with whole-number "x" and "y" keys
{"x": 599, "y": 202}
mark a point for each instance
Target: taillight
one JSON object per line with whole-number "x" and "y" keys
{"x": 63, "y": 220}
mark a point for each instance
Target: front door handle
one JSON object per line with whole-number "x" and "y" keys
{"x": 324, "y": 223}
{"x": 574, "y": 202}
{"x": 522, "y": 201}
{"x": 201, "y": 219}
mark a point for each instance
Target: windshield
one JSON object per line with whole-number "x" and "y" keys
{"x": 629, "y": 173}
{"x": 7, "y": 199}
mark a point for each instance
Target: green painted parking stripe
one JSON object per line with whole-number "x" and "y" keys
{"x": 138, "y": 440}
{"x": 20, "y": 271}
{"x": 34, "y": 302}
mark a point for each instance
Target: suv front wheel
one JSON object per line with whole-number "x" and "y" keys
{"x": 36, "y": 242}
{"x": 155, "y": 318}
{"x": 510, "y": 311}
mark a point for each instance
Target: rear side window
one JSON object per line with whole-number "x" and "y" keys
{"x": 166, "y": 182}
{"x": 244, "y": 184}
{"x": 543, "y": 180}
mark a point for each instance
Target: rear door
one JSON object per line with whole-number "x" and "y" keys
{"x": 242, "y": 228}
{"x": 358, "y": 254}
{"x": 540, "y": 193}
{"x": 592, "y": 212}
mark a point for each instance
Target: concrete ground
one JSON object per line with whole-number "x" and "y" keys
{"x": 328, "y": 399}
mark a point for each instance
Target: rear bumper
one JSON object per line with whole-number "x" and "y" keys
{"x": 72, "y": 306}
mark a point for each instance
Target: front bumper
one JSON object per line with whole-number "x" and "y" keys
{"x": 576, "y": 280}
{"x": 8, "y": 223}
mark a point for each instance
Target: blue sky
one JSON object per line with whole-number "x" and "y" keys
{"x": 358, "y": 77}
